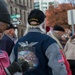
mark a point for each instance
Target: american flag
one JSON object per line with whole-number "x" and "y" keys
{"x": 2, "y": 54}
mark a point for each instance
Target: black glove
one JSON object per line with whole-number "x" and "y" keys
{"x": 13, "y": 68}
{"x": 25, "y": 66}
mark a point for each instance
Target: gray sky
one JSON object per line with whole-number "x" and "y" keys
{"x": 61, "y": 1}
{"x": 55, "y": 0}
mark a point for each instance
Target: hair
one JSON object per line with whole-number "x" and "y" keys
{"x": 43, "y": 29}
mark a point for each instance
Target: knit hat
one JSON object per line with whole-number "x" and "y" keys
{"x": 58, "y": 28}
{"x": 4, "y": 14}
{"x": 37, "y": 16}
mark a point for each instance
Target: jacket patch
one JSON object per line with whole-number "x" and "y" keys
{"x": 27, "y": 53}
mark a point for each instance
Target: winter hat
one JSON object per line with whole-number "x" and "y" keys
{"x": 37, "y": 16}
{"x": 47, "y": 28}
{"x": 4, "y": 14}
{"x": 58, "y": 28}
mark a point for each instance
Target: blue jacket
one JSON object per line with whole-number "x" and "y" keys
{"x": 47, "y": 53}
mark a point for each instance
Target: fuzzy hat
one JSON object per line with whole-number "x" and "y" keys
{"x": 4, "y": 14}
{"x": 37, "y": 16}
{"x": 58, "y": 28}
{"x": 47, "y": 28}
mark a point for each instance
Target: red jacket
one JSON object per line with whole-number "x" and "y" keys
{"x": 66, "y": 64}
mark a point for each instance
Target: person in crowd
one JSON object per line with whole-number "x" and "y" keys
{"x": 69, "y": 51}
{"x": 45, "y": 58}
{"x": 56, "y": 34}
{"x": 7, "y": 43}
{"x": 67, "y": 33}
{"x": 11, "y": 34}
{"x": 66, "y": 36}
{"x": 5, "y": 24}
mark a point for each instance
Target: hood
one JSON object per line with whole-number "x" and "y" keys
{"x": 56, "y": 35}
{"x": 72, "y": 41}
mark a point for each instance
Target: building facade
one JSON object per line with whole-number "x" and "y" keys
{"x": 44, "y": 4}
{"x": 19, "y": 10}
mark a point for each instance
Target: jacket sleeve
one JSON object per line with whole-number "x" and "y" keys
{"x": 12, "y": 56}
{"x": 56, "y": 61}
{"x": 9, "y": 46}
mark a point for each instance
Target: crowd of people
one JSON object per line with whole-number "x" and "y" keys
{"x": 41, "y": 51}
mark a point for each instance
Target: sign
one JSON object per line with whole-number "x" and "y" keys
{"x": 16, "y": 23}
{"x": 14, "y": 19}
{"x": 15, "y": 16}
{"x": 71, "y": 19}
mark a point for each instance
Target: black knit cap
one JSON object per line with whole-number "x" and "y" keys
{"x": 37, "y": 16}
{"x": 58, "y": 28}
{"x": 4, "y": 14}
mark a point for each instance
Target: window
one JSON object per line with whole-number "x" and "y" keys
{"x": 31, "y": 3}
{"x": 21, "y": 14}
{"x": 24, "y": 2}
{"x": 15, "y": 10}
{"x": 11, "y": 10}
{"x": 27, "y": 3}
{"x": 19, "y": 1}
{"x": 24, "y": 17}
{"x": 15, "y": 1}
{"x": 45, "y": 3}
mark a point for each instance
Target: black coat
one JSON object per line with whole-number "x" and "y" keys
{"x": 6, "y": 44}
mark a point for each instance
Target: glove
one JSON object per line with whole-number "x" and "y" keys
{"x": 13, "y": 68}
{"x": 25, "y": 66}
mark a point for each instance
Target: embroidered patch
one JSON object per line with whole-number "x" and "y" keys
{"x": 27, "y": 53}
{"x": 61, "y": 60}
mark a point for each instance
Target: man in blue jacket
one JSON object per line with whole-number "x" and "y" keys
{"x": 43, "y": 54}
{"x": 6, "y": 43}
